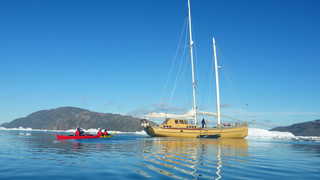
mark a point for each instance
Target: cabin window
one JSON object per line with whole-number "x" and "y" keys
{"x": 176, "y": 121}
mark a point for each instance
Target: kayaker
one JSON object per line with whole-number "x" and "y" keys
{"x": 99, "y": 133}
{"x": 77, "y": 133}
{"x": 105, "y": 132}
{"x": 82, "y": 133}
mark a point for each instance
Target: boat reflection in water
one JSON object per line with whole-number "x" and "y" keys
{"x": 192, "y": 158}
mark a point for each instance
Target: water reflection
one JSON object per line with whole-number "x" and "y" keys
{"x": 219, "y": 164}
{"x": 137, "y": 156}
{"x": 45, "y": 142}
{"x": 130, "y": 156}
{"x": 191, "y": 158}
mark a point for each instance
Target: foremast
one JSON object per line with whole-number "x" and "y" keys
{"x": 194, "y": 109}
{"x": 216, "y": 67}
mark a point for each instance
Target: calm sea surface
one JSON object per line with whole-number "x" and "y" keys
{"x": 37, "y": 155}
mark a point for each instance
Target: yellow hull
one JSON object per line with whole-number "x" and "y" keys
{"x": 222, "y": 132}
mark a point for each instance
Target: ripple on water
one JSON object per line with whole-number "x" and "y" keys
{"x": 127, "y": 156}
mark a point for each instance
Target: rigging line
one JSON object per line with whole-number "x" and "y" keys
{"x": 228, "y": 76}
{"x": 196, "y": 74}
{"x": 232, "y": 118}
{"x": 211, "y": 89}
{"x": 174, "y": 59}
{"x": 213, "y": 76}
{"x": 180, "y": 70}
{"x": 186, "y": 64}
{"x": 213, "y": 96}
{"x": 183, "y": 62}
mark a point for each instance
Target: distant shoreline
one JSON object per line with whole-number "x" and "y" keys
{"x": 309, "y": 128}
{"x": 254, "y": 133}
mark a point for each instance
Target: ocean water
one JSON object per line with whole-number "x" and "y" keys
{"x": 37, "y": 155}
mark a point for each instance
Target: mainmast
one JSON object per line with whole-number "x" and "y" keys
{"x": 192, "y": 67}
{"x": 217, "y": 82}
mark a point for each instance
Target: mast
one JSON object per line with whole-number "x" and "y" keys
{"x": 192, "y": 67}
{"x": 217, "y": 82}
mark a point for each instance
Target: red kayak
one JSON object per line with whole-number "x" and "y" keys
{"x": 66, "y": 137}
{"x": 86, "y": 136}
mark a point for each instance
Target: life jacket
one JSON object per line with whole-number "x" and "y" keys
{"x": 99, "y": 133}
{"x": 77, "y": 133}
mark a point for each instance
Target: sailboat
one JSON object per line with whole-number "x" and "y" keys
{"x": 173, "y": 127}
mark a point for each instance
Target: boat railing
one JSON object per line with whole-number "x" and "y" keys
{"x": 231, "y": 125}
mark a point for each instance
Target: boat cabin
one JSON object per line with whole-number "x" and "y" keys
{"x": 176, "y": 123}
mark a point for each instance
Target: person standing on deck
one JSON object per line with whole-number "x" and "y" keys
{"x": 203, "y": 122}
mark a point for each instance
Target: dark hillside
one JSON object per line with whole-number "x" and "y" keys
{"x": 310, "y": 128}
{"x": 64, "y": 118}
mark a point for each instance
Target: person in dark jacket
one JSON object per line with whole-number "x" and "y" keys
{"x": 203, "y": 122}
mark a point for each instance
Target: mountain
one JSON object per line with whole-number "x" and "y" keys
{"x": 310, "y": 128}
{"x": 64, "y": 118}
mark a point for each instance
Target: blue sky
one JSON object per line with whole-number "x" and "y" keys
{"x": 115, "y": 56}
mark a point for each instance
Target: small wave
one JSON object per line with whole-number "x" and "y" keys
{"x": 306, "y": 138}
